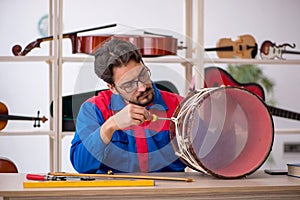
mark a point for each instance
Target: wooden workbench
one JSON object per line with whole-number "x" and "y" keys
{"x": 257, "y": 186}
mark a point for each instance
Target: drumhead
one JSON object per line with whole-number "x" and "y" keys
{"x": 227, "y": 132}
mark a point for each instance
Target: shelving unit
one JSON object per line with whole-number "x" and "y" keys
{"x": 53, "y": 61}
{"x": 188, "y": 62}
{"x": 56, "y": 59}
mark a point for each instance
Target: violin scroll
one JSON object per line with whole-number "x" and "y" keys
{"x": 44, "y": 119}
{"x": 38, "y": 119}
{"x": 17, "y": 49}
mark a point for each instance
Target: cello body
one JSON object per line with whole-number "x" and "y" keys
{"x": 7, "y": 166}
{"x": 149, "y": 46}
{"x": 244, "y": 47}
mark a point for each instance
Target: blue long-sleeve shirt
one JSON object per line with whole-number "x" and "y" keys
{"x": 90, "y": 155}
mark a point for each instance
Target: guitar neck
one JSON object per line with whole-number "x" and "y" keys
{"x": 284, "y": 113}
{"x": 291, "y": 52}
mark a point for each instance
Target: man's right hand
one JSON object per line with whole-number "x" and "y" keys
{"x": 131, "y": 115}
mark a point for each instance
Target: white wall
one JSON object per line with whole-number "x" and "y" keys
{"x": 24, "y": 86}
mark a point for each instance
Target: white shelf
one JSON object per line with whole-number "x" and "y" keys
{"x": 163, "y": 59}
{"x": 252, "y": 61}
{"x": 287, "y": 131}
{"x": 66, "y": 133}
{"x": 26, "y": 58}
{"x": 25, "y": 133}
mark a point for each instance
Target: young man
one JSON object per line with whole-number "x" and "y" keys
{"x": 114, "y": 130}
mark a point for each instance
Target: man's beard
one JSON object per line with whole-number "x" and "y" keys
{"x": 148, "y": 89}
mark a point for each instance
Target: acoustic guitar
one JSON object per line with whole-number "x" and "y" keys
{"x": 244, "y": 47}
{"x": 215, "y": 77}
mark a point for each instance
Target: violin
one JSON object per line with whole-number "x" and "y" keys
{"x": 4, "y": 117}
{"x": 7, "y": 166}
{"x": 150, "y": 45}
{"x": 270, "y": 50}
{"x": 244, "y": 47}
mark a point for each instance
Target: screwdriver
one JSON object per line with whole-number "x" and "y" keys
{"x": 37, "y": 177}
{"x": 154, "y": 118}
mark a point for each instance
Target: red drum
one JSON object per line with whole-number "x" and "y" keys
{"x": 226, "y": 132}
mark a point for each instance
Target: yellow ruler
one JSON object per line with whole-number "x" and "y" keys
{"x": 95, "y": 183}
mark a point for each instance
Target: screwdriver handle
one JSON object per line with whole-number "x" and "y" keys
{"x": 154, "y": 118}
{"x": 36, "y": 177}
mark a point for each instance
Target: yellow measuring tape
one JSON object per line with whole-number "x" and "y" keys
{"x": 95, "y": 183}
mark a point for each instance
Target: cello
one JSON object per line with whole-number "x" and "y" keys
{"x": 150, "y": 44}
{"x": 4, "y": 117}
{"x": 7, "y": 166}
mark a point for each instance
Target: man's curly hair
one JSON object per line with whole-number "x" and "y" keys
{"x": 114, "y": 53}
